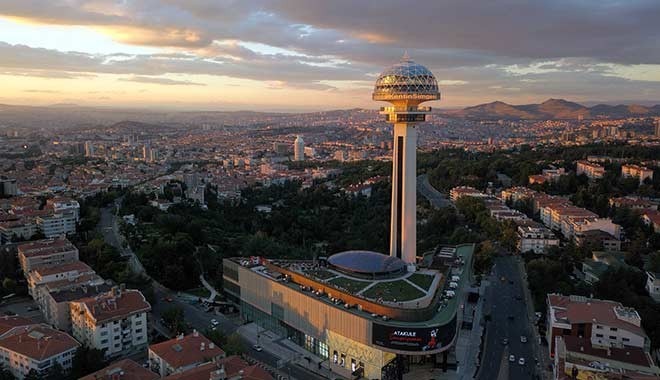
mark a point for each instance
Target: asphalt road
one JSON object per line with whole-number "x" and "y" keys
{"x": 437, "y": 199}
{"x": 506, "y": 304}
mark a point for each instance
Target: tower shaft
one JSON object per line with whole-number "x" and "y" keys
{"x": 403, "y": 234}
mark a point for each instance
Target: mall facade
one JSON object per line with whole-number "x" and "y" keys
{"x": 345, "y": 309}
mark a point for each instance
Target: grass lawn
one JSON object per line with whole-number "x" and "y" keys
{"x": 201, "y": 292}
{"x": 352, "y": 286}
{"x": 399, "y": 290}
{"x": 424, "y": 281}
{"x": 322, "y": 274}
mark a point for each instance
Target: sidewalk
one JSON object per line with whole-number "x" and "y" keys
{"x": 285, "y": 350}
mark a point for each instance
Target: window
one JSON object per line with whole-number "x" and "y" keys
{"x": 626, "y": 339}
{"x": 323, "y": 350}
{"x": 104, "y": 333}
{"x": 612, "y": 337}
{"x": 599, "y": 335}
{"x": 599, "y": 327}
{"x": 104, "y": 341}
{"x": 613, "y": 329}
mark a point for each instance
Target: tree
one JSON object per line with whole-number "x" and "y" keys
{"x": 234, "y": 345}
{"x": 654, "y": 262}
{"x": 174, "y": 319}
{"x": 9, "y": 284}
{"x": 32, "y": 375}
{"x": 86, "y": 361}
{"x": 56, "y": 372}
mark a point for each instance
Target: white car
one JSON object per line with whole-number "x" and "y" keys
{"x": 214, "y": 322}
{"x": 257, "y": 348}
{"x": 523, "y": 339}
{"x": 512, "y": 358}
{"x": 521, "y": 361}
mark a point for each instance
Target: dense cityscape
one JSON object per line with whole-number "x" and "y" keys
{"x": 435, "y": 232}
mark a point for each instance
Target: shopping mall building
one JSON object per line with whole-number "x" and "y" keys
{"x": 366, "y": 314}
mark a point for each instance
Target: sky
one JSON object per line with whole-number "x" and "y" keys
{"x": 280, "y": 55}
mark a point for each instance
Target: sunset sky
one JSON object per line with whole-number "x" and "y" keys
{"x": 324, "y": 54}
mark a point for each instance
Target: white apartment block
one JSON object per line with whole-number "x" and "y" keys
{"x": 640, "y": 172}
{"x": 653, "y": 285}
{"x": 57, "y": 224}
{"x": 115, "y": 322}
{"x": 536, "y": 239}
{"x": 591, "y": 170}
{"x": 46, "y": 253}
{"x": 38, "y": 348}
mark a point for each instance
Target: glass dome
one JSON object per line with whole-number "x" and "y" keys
{"x": 406, "y": 80}
{"x": 366, "y": 262}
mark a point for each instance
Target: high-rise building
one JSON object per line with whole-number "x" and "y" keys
{"x": 89, "y": 149}
{"x": 405, "y": 85}
{"x": 299, "y": 149}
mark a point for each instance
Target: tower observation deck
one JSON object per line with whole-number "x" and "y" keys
{"x": 405, "y": 85}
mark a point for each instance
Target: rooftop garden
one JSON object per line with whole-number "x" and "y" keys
{"x": 394, "y": 291}
{"x": 350, "y": 285}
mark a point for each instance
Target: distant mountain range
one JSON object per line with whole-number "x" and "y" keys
{"x": 552, "y": 109}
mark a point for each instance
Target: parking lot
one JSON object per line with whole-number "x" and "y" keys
{"x": 23, "y": 306}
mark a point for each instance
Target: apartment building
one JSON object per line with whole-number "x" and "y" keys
{"x": 635, "y": 203}
{"x": 182, "y": 353}
{"x": 575, "y": 224}
{"x": 115, "y": 322}
{"x": 591, "y": 170}
{"x": 465, "y": 191}
{"x": 38, "y": 348}
{"x": 44, "y": 275}
{"x": 636, "y": 171}
{"x": 537, "y": 239}
{"x": 57, "y": 224}
{"x": 605, "y": 324}
{"x": 229, "y": 368}
{"x": 125, "y": 369}
{"x": 55, "y": 304}
{"x": 17, "y": 228}
{"x": 64, "y": 205}
{"x": 553, "y": 215}
{"x": 653, "y": 285}
{"x": 46, "y": 253}
{"x": 652, "y": 218}
{"x": 578, "y": 358}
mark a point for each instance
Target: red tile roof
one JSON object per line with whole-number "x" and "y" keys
{"x": 232, "y": 366}
{"x": 108, "y": 306}
{"x": 181, "y": 352}
{"x": 39, "y": 342}
{"x": 45, "y": 247}
{"x": 9, "y": 322}
{"x": 78, "y": 266}
{"x": 590, "y": 311}
{"x": 122, "y": 370}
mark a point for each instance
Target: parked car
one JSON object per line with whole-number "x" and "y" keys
{"x": 214, "y": 322}
{"x": 521, "y": 361}
{"x": 257, "y": 348}
{"x": 523, "y": 339}
{"x": 505, "y": 341}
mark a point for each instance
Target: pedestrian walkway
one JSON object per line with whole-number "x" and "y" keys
{"x": 208, "y": 287}
{"x": 285, "y": 350}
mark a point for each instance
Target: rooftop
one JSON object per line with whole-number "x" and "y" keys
{"x": 183, "y": 351}
{"x": 45, "y": 247}
{"x": 9, "y": 322}
{"x": 232, "y": 367}
{"x": 125, "y": 369}
{"x": 366, "y": 262}
{"x": 576, "y": 309}
{"x": 114, "y": 304}
{"x": 39, "y": 342}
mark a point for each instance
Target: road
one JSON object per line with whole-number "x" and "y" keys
{"x": 437, "y": 199}
{"x": 507, "y": 306}
{"x": 194, "y": 315}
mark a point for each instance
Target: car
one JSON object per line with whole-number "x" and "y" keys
{"x": 521, "y": 361}
{"x": 257, "y": 348}
{"x": 505, "y": 341}
{"x": 214, "y": 322}
{"x": 518, "y": 298}
{"x": 510, "y": 316}
{"x": 512, "y": 358}
{"x": 523, "y": 339}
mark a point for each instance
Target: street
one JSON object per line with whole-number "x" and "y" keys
{"x": 506, "y": 304}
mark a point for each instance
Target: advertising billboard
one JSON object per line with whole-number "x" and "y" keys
{"x": 414, "y": 339}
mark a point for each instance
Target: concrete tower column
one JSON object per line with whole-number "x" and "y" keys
{"x": 403, "y": 234}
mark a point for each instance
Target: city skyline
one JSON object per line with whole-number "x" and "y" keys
{"x": 228, "y": 56}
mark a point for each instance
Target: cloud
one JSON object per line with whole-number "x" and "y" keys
{"x": 43, "y": 91}
{"x": 162, "y": 81}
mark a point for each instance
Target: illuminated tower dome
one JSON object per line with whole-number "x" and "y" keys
{"x": 405, "y": 85}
